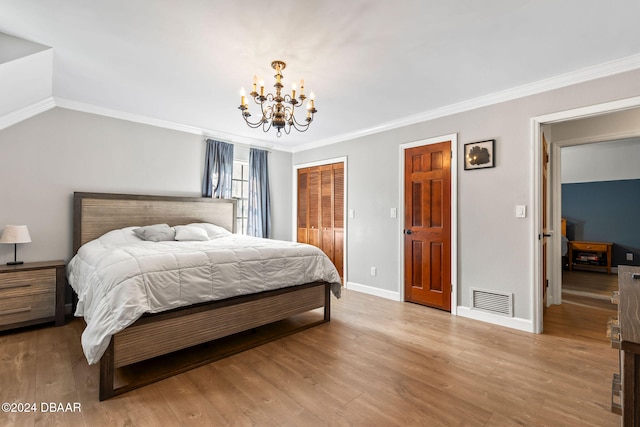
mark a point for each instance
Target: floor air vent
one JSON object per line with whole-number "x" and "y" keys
{"x": 492, "y": 301}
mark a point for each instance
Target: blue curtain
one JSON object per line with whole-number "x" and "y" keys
{"x": 218, "y": 170}
{"x": 259, "y": 206}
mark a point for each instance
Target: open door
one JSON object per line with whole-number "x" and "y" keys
{"x": 546, "y": 234}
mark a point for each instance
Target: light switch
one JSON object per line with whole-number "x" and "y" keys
{"x": 394, "y": 213}
{"x": 521, "y": 211}
{"x": 352, "y": 213}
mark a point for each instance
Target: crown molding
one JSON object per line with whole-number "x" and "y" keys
{"x": 27, "y": 112}
{"x": 606, "y": 69}
{"x": 166, "y": 124}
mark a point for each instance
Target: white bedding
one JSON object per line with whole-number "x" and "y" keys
{"x": 119, "y": 277}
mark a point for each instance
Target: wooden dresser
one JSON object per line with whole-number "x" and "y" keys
{"x": 625, "y": 335}
{"x": 32, "y": 293}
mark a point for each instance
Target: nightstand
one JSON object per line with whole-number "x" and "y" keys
{"x": 32, "y": 293}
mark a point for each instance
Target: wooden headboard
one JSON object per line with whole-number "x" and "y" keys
{"x": 97, "y": 213}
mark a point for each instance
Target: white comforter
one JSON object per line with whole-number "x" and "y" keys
{"x": 119, "y": 277}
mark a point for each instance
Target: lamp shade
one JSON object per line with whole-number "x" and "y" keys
{"x": 15, "y": 234}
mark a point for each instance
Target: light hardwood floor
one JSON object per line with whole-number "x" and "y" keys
{"x": 377, "y": 362}
{"x": 590, "y": 288}
{"x": 590, "y": 282}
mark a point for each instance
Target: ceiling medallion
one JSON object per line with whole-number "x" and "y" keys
{"x": 277, "y": 110}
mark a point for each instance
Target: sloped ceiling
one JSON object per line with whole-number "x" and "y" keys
{"x": 371, "y": 63}
{"x": 26, "y": 78}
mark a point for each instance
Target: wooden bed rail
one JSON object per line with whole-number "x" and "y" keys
{"x": 164, "y": 333}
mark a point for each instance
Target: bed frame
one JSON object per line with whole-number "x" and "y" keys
{"x": 159, "y": 334}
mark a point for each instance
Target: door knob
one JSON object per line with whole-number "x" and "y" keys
{"x": 407, "y": 232}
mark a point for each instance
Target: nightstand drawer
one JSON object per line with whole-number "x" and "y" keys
{"x": 585, "y": 246}
{"x": 22, "y": 283}
{"x": 28, "y": 307}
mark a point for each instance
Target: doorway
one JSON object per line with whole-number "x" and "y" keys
{"x": 553, "y": 269}
{"x": 598, "y": 184}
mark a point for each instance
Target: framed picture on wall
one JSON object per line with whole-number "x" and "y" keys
{"x": 480, "y": 155}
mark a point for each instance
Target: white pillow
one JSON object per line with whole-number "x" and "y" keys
{"x": 212, "y": 230}
{"x": 190, "y": 233}
{"x": 155, "y": 233}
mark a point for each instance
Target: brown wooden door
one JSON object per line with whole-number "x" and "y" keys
{"x": 326, "y": 210}
{"x": 337, "y": 172}
{"x": 303, "y": 205}
{"x": 427, "y": 238}
{"x": 313, "y": 230}
{"x": 545, "y": 227}
{"x": 321, "y": 210}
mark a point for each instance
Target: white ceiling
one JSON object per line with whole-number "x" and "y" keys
{"x": 371, "y": 63}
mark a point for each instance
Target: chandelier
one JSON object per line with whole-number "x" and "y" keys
{"x": 278, "y": 110}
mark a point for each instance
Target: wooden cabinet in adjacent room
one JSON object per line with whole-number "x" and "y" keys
{"x": 321, "y": 210}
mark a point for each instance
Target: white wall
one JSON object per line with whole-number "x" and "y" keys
{"x": 495, "y": 249}
{"x": 604, "y": 161}
{"x": 600, "y": 148}
{"x": 43, "y": 160}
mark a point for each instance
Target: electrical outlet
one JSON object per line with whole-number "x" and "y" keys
{"x": 629, "y": 256}
{"x": 373, "y": 271}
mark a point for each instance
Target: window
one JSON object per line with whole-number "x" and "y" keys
{"x": 240, "y": 192}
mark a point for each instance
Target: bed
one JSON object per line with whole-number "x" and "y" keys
{"x": 99, "y": 218}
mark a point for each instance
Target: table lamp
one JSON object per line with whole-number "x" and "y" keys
{"x": 15, "y": 234}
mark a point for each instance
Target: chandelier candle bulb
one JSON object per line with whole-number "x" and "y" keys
{"x": 261, "y": 87}
{"x": 293, "y": 91}
{"x": 242, "y": 97}
{"x": 255, "y": 82}
{"x": 301, "y": 88}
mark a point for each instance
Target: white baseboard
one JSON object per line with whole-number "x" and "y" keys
{"x": 395, "y": 296}
{"x": 509, "y": 322}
